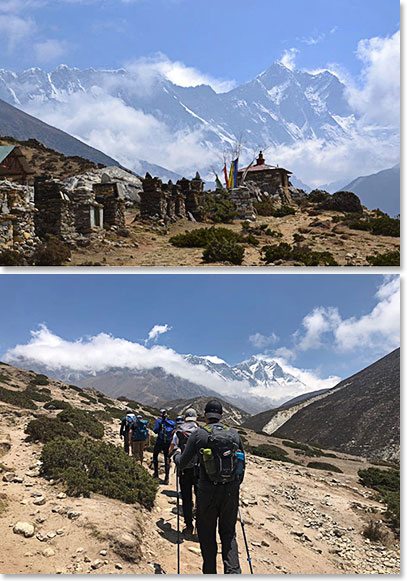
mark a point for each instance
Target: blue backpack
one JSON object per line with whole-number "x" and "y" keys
{"x": 140, "y": 430}
{"x": 166, "y": 430}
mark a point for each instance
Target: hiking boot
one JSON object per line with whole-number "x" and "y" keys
{"x": 166, "y": 481}
{"x": 188, "y": 532}
{"x": 155, "y": 475}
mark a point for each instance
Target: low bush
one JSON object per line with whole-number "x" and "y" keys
{"x": 116, "y": 413}
{"x": 103, "y": 416}
{"x": 4, "y": 378}
{"x": 36, "y": 394}
{"x": 382, "y": 225}
{"x": 223, "y": 251}
{"x": 47, "y": 429}
{"x": 375, "y": 532}
{"x": 82, "y": 421}
{"x": 271, "y": 452}
{"x": 57, "y": 404}
{"x": 317, "y": 196}
{"x": 285, "y": 252}
{"x": 391, "y": 258}
{"x": 283, "y": 211}
{"x": 89, "y": 397}
{"x": 51, "y": 252}
{"x": 218, "y": 209}
{"x": 76, "y": 388}
{"x": 18, "y": 398}
{"x": 267, "y": 208}
{"x": 87, "y": 466}
{"x": 11, "y": 258}
{"x": 201, "y": 237}
{"x": 39, "y": 379}
{"x": 387, "y": 484}
{"x": 324, "y": 466}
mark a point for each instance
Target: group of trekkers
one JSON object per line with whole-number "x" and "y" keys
{"x": 209, "y": 464}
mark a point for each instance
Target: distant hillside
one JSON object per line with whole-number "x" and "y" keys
{"x": 379, "y": 190}
{"x": 150, "y": 387}
{"x": 231, "y": 414}
{"x": 361, "y": 415}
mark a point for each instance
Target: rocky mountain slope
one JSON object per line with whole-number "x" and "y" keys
{"x": 299, "y": 519}
{"x": 361, "y": 415}
{"x": 232, "y": 415}
{"x": 379, "y": 190}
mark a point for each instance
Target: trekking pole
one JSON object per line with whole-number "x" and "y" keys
{"x": 178, "y": 532}
{"x": 245, "y": 542}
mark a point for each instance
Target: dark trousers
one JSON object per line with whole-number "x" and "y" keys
{"x": 160, "y": 446}
{"x": 218, "y": 505}
{"x": 187, "y": 482}
{"x": 126, "y": 443}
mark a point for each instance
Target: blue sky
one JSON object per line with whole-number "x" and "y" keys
{"x": 231, "y": 39}
{"x": 333, "y": 325}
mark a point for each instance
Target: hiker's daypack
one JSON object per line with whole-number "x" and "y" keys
{"x": 166, "y": 430}
{"x": 221, "y": 459}
{"x": 183, "y": 433}
{"x": 140, "y": 430}
{"x": 130, "y": 419}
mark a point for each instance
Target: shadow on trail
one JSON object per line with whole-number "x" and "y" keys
{"x": 167, "y": 532}
{"x": 172, "y": 493}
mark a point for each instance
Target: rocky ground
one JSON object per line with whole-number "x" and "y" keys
{"x": 148, "y": 244}
{"x": 298, "y": 520}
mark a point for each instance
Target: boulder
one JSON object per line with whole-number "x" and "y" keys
{"x": 24, "y": 528}
{"x": 343, "y": 202}
{"x": 9, "y": 477}
{"x": 48, "y": 552}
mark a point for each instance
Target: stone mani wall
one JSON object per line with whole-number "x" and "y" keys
{"x": 17, "y": 227}
{"x": 55, "y": 210}
{"x": 110, "y": 197}
{"x": 168, "y": 202}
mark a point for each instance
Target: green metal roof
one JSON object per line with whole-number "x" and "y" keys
{"x": 5, "y": 150}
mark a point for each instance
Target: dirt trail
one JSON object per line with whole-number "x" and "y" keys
{"x": 298, "y": 520}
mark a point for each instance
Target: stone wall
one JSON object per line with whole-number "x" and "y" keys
{"x": 110, "y": 196}
{"x": 273, "y": 181}
{"x": 55, "y": 214}
{"x": 243, "y": 199}
{"x": 17, "y": 211}
{"x": 165, "y": 202}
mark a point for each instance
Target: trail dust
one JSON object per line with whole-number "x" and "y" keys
{"x": 298, "y": 520}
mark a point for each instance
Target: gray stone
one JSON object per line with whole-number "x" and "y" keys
{"x": 24, "y": 528}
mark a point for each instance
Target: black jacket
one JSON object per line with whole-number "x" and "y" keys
{"x": 196, "y": 441}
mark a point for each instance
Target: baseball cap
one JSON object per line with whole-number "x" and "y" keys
{"x": 163, "y": 411}
{"x": 139, "y": 417}
{"x": 213, "y": 409}
{"x": 191, "y": 415}
{"x": 179, "y": 419}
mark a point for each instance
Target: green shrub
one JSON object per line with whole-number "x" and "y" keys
{"x": 271, "y": 452}
{"x": 36, "y": 394}
{"x": 324, "y": 466}
{"x": 57, "y": 404}
{"x": 103, "y": 416}
{"x": 89, "y": 466}
{"x": 39, "y": 379}
{"x": 283, "y": 211}
{"x": 47, "y": 429}
{"x": 273, "y": 233}
{"x": 51, "y": 252}
{"x": 89, "y": 397}
{"x": 83, "y": 421}
{"x": 306, "y": 450}
{"x": 116, "y": 413}
{"x": 267, "y": 208}
{"x": 382, "y": 225}
{"x": 218, "y": 209}
{"x": 391, "y": 258}
{"x": 201, "y": 237}
{"x": 223, "y": 251}
{"x": 4, "y": 378}
{"x": 76, "y": 388}
{"x": 375, "y": 532}
{"x": 18, "y": 398}
{"x": 11, "y": 258}
{"x": 285, "y": 252}
{"x": 317, "y": 196}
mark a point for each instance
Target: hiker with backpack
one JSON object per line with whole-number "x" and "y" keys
{"x": 139, "y": 434}
{"x": 164, "y": 428}
{"x": 125, "y": 425}
{"x": 187, "y": 476}
{"x": 221, "y": 471}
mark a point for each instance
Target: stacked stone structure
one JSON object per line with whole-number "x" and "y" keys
{"x": 110, "y": 196}
{"x": 160, "y": 201}
{"x": 17, "y": 227}
{"x": 55, "y": 209}
{"x": 243, "y": 200}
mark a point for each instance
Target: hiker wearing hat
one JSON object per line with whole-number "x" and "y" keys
{"x": 125, "y": 426}
{"x": 164, "y": 428}
{"x": 221, "y": 470}
{"x": 187, "y": 476}
{"x": 139, "y": 434}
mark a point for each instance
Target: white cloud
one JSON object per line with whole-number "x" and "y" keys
{"x": 177, "y": 72}
{"x": 311, "y": 40}
{"x": 378, "y": 330}
{"x": 310, "y": 377}
{"x": 378, "y": 100}
{"x": 156, "y": 331}
{"x": 284, "y": 353}
{"x": 288, "y": 58}
{"x": 124, "y": 133}
{"x": 95, "y": 354}
{"x": 14, "y": 29}
{"x": 50, "y": 50}
{"x": 262, "y": 341}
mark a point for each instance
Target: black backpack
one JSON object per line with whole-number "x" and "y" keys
{"x": 219, "y": 458}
